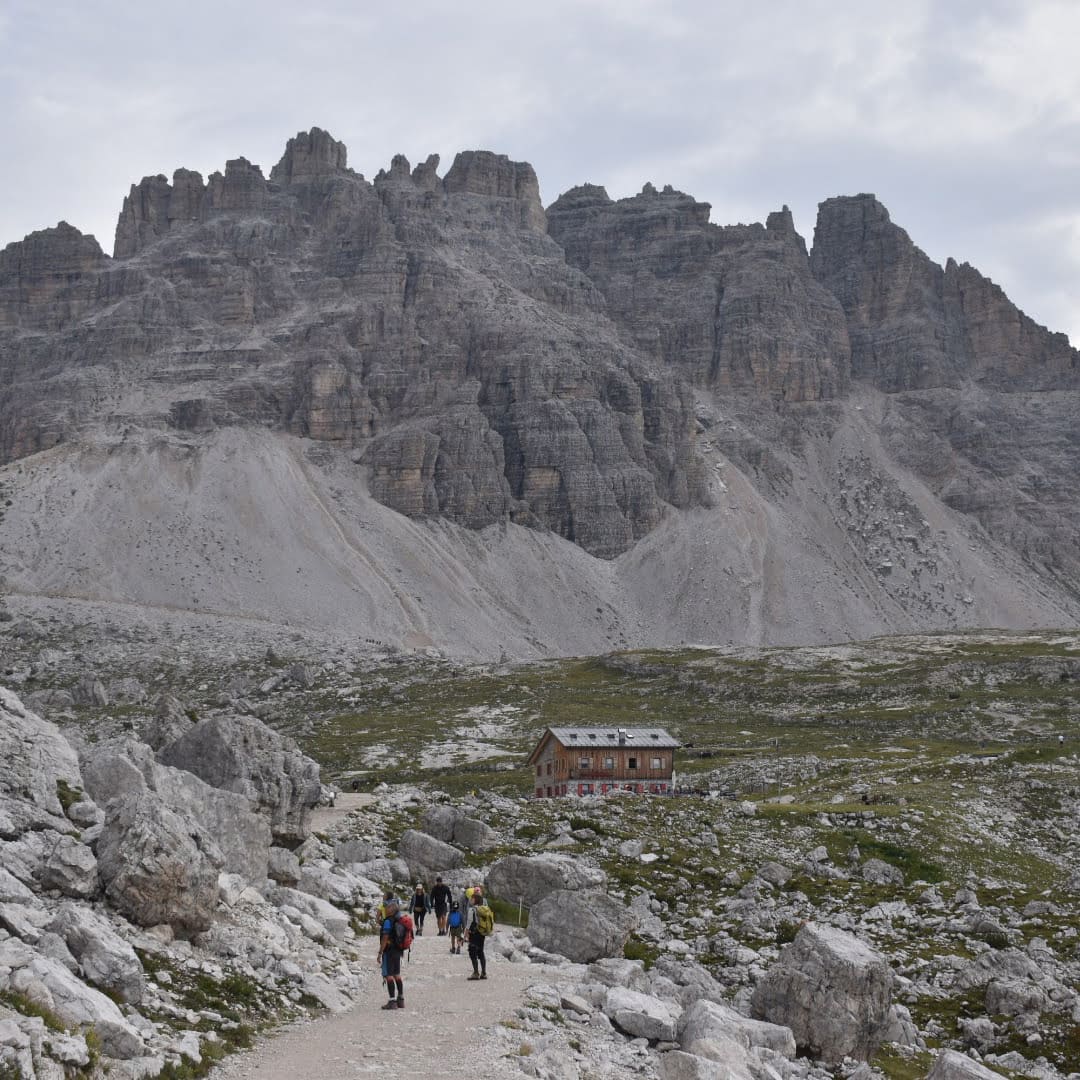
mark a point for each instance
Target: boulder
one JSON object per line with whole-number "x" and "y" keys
{"x": 335, "y": 921}
{"x": 90, "y": 690}
{"x": 618, "y": 971}
{"x": 169, "y": 723}
{"x": 243, "y": 755}
{"x": 582, "y": 926}
{"x": 283, "y": 866}
{"x": 427, "y": 856}
{"x": 713, "y": 1020}
{"x": 832, "y": 990}
{"x": 531, "y": 878}
{"x": 158, "y": 866}
{"x": 106, "y": 960}
{"x": 775, "y": 873}
{"x": 454, "y": 826}
{"x": 730, "y": 1063}
{"x": 12, "y": 890}
{"x": 359, "y": 851}
{"x": 240, "y": 832}
{"x": 69, "y": 867}
{"x": 1008, "y": 964}
{"x": 39, "y": 763}
{"x": 49, "y": 984}
{"x": 879, "y": 872}
{"x": 640, "y": 1015}
{"x": 952, "y": 1065}
{"x": 1015, "y": 997}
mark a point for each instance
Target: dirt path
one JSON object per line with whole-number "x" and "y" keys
{"x": 445, "y": 1029}
{"x": 323, "y": 817}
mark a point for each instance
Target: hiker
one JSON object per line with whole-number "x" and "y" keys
{"x": 380, "y": 917}
{"x": 455, "y": 924}
{"x": 440, "y": 903}
{"x": 480, "y": 923}
{"x": 419, "y": 905}
{"x": 393, "y": 941}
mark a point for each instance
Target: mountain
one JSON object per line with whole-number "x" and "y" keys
{"x": 425, "y": 410}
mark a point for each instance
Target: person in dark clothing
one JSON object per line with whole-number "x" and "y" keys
{"x": 390, "y": 957}
{"x": 440, "y": 904}
{"x": 419, "y": 905}
{"x": 474, "y": 938}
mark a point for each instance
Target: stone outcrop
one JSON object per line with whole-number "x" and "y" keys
{"x": 915, "y": 325}
{"x": 589, "y": 370}
{"x": 105, "y": 959}
{"x": 156, "y": 866}
{"x": 241, "y": 833}
{"x": 731, "y": 308}
{"x": 833, "y": 991}
{"x": 582, "y": 926}
{"x": 454, "y": 826}
{"x": 469, "y": 361}
{"x": 426, "y": 856}
{"x": 243, "y": 755}
{"x": 640, "y": 1015}
{"x": 39, "y": 763}
{"x": 530, "y": 878}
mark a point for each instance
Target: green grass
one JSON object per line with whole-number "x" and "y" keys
{"x": 22, "y": 1004}
{"x": 506, "y": 913}
{"x": 67, "y": 795}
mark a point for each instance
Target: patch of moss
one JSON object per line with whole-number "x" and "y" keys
{"x": 22, "y": 1004}
{"x": 67, "y": 795}
{"x": 636, "y": 949}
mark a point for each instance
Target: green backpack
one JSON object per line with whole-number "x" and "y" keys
{"x": 485, "y": 920}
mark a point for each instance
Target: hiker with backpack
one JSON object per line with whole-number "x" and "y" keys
{"x": 395, "y": 939}
{"x": 440, "y": 903}
{"x": 481, "y": 923}
{"x": 455, "y": 925}
{"x": 419, "y": 906}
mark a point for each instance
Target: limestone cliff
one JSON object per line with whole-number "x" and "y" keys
{"x": 602, "y": 371}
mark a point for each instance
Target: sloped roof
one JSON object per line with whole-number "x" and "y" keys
{"x": 641, "y": 737}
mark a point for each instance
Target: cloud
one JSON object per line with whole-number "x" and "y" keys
{"x": 962, "y": 117}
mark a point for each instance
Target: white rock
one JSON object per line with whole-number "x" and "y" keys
{"x": 641, "y": 1015}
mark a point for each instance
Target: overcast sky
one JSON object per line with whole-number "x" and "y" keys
{"x": 962, "y": 116}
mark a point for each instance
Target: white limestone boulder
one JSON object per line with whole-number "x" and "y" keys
{"x": 833, "y": 991}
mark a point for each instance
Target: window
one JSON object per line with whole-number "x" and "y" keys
{"x": 549, "y": 768}
{"x": 657, "y": 763}
{"x": 585, "y": 762}
{"x": 539, "y": 770}
{"x": 632, "y": 763}
{"x": 609, "y": 763}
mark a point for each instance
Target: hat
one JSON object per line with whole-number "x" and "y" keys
{"x": 419, "y": 884}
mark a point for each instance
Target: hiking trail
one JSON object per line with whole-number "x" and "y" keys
{"x": 445, "y": 1029}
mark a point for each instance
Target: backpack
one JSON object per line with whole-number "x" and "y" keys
{"x": 485, "y": 920}
{"x": 401, "y": 933}
{"x": 455, "y": 920}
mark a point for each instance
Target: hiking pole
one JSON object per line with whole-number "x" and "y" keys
{"x": 521, "y": 900}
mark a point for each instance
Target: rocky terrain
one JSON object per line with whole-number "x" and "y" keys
{"x": 425, "y": 411}
{"x": 872, "y": 871}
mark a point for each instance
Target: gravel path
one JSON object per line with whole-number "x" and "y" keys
{"x": 449, "y": 1027}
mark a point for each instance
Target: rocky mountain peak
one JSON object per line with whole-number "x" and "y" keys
{"x": 481, "y": 172}
{"x": 591, "y": 371}
{"x": 309, "y": 154}
{"x": 38, "y": 271}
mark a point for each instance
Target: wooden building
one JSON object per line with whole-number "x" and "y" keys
{"x": 595, "y": 761}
